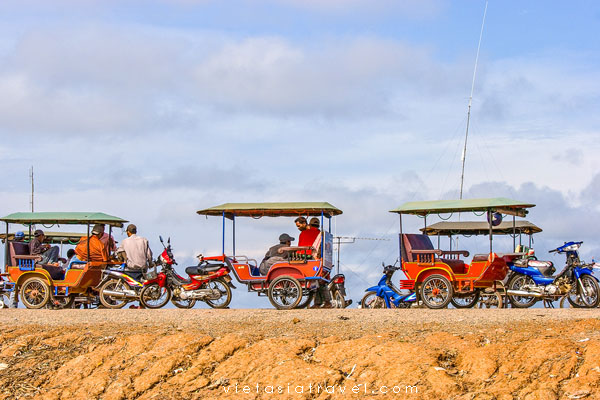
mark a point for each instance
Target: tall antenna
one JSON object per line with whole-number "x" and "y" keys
{"x": 464, "y": 153}
{"x": 31, "y": 179}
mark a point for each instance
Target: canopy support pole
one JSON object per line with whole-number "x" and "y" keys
{"x": 223, "y": 242}
{"x": 514, "y": 234}
{"x": 233, "y": 233}
{"x": 88, "y": 242}
{"x": 400, "y": 242}
{"x": 6, "y": 251}
{"x": 490, "y": 226}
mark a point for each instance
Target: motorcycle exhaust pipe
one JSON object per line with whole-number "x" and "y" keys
{"x": 523, "y": 293}
{"x": 121, "y": 295}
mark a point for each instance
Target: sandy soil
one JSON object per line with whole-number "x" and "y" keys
{"x": 199, "y": 354}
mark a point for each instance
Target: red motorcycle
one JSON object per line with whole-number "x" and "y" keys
{"x": 208, "y": 281}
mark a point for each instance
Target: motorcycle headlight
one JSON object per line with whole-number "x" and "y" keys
{"x": 572, "y": 247}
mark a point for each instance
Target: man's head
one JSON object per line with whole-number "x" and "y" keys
{"x": 315, "y": 223}
{"x": 131, "y": 229}
{"x": 39, "y": 234}
{"x": 19, "y": 236}
{"x": 98, "y": 230}
{"x": 70, "y": 253}
{"x": 301, "y": 223}
{"x": 284, "y": 238}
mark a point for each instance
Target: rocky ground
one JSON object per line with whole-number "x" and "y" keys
{"x": 204, "y": 354}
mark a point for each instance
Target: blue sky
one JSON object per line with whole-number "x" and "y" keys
{"x": 150, "y": 110}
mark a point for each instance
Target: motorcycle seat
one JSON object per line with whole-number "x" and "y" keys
{"x": 545, "y": 267}
{"x": 203, "y": 269}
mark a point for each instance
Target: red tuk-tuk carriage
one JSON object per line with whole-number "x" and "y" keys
{"x": 292, "y": 283}
{"x": 439, "y": 276}
{"x": 37, "y": 284}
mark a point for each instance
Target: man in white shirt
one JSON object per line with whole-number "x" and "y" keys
{"x": 139, "y": 255}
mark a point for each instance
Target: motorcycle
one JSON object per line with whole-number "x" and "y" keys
{"x": 531, "y": 280}
{"x": 385, "y": 294}
{"x": 118, "y": 288}
{"x": 209, "y": 282}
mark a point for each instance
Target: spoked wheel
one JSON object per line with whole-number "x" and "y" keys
{"x": 180, "y": 303}
{"x": 108, "y": 301}
{"x": 4, "y": 300}
{"x": 61, "y": 302}
{"x": 154, "y": 296}
{"x": 225, "y": 298}
{"x": 490, "y": 299}
{"x": 584, "y": 295}
{"x": 35, "y": 293}
{"x": 337, "y": 299}
{"x": 306, "y": 300}
{"x": 516, "y": 282}
{"x": 371, "y": 300}
{"x": 436, "y": 291}
{"x": 285, "y": 292}
{"x": 465, "y": 300}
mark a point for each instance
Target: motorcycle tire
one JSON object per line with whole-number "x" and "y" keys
{"x": 180, "y": 303}
{"x": 149, "y": 299}
{"x": 225, "y": 290}
{"x": 581, "y": 301}
{"x": 371, "y": 300}
{"x": 109, "y": 301}
{"x": 338, "y": 299}
{"x": 519, "y": 280}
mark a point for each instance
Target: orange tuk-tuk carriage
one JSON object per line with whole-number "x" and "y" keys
{"x": 38, "y": 284}
{"x": 291, "y": 283}
{"x": 439, "y": 277}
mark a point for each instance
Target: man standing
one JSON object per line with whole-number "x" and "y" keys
{"x": 137, "y": 250}
{"x": 37, "y": 247}
{"x": 274, "y": 255}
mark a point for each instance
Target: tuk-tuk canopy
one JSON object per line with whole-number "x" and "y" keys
{"x": 498, "y": 204}
{"x": 51, "y": 237}
{"x": 468, "y": 228}
{"x": 51, "y": 218}
{"x": 257, "y": 210}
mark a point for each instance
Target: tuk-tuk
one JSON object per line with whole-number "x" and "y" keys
{"x": 37, "y": 284}
{"x": 488, "y": 297}
{"x": 438, "y": 276}
{"x": 291, "y": 283}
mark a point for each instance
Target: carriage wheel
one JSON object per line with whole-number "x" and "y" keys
{"x": 180, "y": 303}
{"x": 371, "y": 300}
{"x": 285, "y": 292}
{"x": 61, "y": 302}
{"x": 35, "y": 293}
{"x": 467, "y": 300}
{"x": 306, "y": 300}
{"x": 436, "y": 291}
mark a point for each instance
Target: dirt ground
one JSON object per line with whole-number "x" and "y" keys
{"x": 308, "y": 354}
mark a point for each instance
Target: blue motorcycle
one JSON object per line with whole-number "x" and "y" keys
{"x": 385, "y": 294}
{"x": 531, "y": 280}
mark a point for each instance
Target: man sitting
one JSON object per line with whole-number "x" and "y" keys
{"x": 98, "y": 251}
{"x": 37, "y": 247}
{"x": 137, "y": 252}
{"x": 273, "y": 255}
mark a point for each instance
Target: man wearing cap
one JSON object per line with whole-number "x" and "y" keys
{"x": 37, "y": 247}
{"x": 274, "y": 256}
{"x": 19, "y": 236}
{"x": 98, "y": 251}
{"x": 137, "y": 250}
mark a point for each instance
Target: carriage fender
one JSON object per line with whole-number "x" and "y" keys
{"x": 284, "y": 270}
{"x": 27, "y": 275}
{"x": 434, "y": 271}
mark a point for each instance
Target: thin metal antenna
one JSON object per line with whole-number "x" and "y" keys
{"x": 464, "y": 153}
{"x": 32, "y": 187}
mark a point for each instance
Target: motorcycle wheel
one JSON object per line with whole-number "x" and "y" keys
{"x": 436, "y": 291}
{"x": 467, "y": 300}
{"x": 371, "y": 300}
{"x": 153, "y": 296}
{"x": 338, "y": 300}
{"x": 110, "y": 301}
{"x": 180, "y": 303}
{"x": 223, "y": 287}
{"x": 516, "y": 282}
{"x": 582, "y": 301}
{"x": 306, "y": 300}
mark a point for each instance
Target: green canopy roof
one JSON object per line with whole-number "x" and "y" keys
{"x": 257, "y": 210}
{"x": 498, "y": 204}
{"x": 449, "y": 228}
{"x": 51, "y": 218}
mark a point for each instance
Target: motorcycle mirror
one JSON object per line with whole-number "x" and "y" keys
{"x": 161, "y": 239}
{"x": 169, "y": 240}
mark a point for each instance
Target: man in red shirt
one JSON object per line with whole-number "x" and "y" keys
{"x": 308, "y": 234}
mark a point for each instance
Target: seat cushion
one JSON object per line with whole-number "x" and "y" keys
{"x": 203, "y": 269}
{"x": 457, "y": 266}
{"x": 415, "y": 242}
